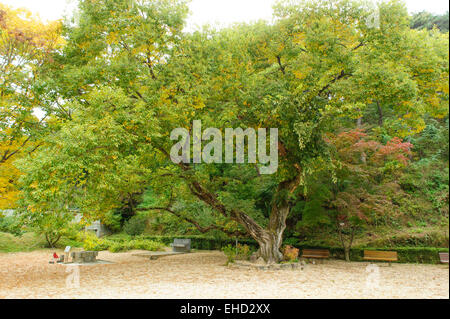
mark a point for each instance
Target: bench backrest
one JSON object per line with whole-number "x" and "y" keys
{"x": 185, "y": 242}
{"x": 444, "y": 257}
{"x": 316, "y": 252}
{"x": 388, "y": 255}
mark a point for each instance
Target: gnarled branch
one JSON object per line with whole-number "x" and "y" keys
{"x": 200, "y": 228}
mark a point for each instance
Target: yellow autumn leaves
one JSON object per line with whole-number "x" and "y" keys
{"x": 25, "y": 43}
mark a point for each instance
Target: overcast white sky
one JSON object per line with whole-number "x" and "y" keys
{"x": 222, "y": 12}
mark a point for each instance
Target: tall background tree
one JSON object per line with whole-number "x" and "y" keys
{"x": 26, "y": 44}
{"x": 427, "y": 20}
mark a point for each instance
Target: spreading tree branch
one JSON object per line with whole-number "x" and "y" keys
{"x": 200, "y": 228}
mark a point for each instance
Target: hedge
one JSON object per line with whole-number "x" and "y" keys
{"x": 202, "y": 242}
{"x": 197, "y": 241}
{"x": 426, "y": 255}
{"x": 407, "y": 255}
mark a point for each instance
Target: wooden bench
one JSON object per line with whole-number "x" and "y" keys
{"x": 389, "y": 256}
{"x": 320, "y": 254}
{"x": 181, "y": 245}
{"x": 444, "y": 258}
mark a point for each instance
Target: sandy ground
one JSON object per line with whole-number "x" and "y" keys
{"x": 202, "y": 275}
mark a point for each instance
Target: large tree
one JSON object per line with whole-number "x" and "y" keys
{"x": 26, "y": 43}
{"x": 130, "y": 76}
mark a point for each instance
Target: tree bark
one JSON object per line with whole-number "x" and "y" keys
{"x": 52, "y": 241}
{"x": 359, "y": 122}
{"x": 49, "y": 243}
{"x": 359, "y": 126}
{"x": 346, "y": 247}
{"x": 269, "y": 250}
{"x": 380, "y": 114}
{"x": 270, "y": 244}
{"x": 347, "y": 254}
{"x": 269, "y": 239}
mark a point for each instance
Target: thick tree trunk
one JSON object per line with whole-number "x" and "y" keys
{"x": 269, "y": 250}
{"x": 270, "y": 239}
{"x": 347, "y": 254}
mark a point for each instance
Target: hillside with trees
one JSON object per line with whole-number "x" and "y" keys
{"x": 426, "y": 20}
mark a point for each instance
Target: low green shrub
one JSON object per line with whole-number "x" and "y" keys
{"x": 423, "y": 255}
{"x": 149, "y": 245}
{"x": 92, "y": 243}
{"x": 197, "y": 242}
{"x": 12, "y": 225}
{"x": 116, "y": 247}
{"x": 135, "y": 226}
{"x": 203, "y": 242}
{"x": 244, "y": 252}
{"x": 241, "y": 252}
{"x": 230, "y": 252}
{"x": 121, "y": 237}
{"x": 117, "y": 243}
{"x": 140, "y": 244}
{"x": 63, "y": 242}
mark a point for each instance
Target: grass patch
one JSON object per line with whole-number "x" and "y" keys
{"x": 29, "y": 242}
{"x": 26, "y": 242}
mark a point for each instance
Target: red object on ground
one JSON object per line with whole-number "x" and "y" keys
{"x": 55, "y": 256}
